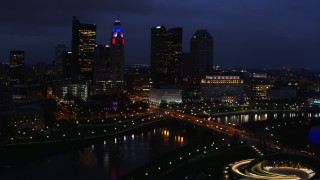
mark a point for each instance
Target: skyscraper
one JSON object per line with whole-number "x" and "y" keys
{"x": 102, "y": 70}
{"x": 83, "y": 45}
{"x": 67, "y": 64}
{"x": 197, "y": 64}
{"x": 58, "y": 59}
{"x": 201, "y": 52}
{"x": 117, "y": 56}
{"x": 102, "y": 55}
{"x": 166, "y": 56}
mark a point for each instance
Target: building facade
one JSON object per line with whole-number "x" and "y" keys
{"x": 201, "y": 52}
{"x": 222, "y": 88}
{"x": 166, "y": 57}
{"x": 117, "y": 56}
{"x": 17, "y": 66}
{"x": 138, "y": 82}
{"x": 58, "y": 58}
{"x": 167, "y": 96}
{"x": 197, "y": 64}
{"x": 83, "y": 45}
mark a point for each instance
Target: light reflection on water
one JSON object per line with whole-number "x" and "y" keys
{"x": 251, "y": 117}
{"x": 112, "y": 158}
{"x": 108, "y": 159}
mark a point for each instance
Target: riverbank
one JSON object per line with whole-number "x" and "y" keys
{"x": 24, "y": 152}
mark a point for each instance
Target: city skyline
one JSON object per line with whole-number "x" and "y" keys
{"x": 249, "y": 34}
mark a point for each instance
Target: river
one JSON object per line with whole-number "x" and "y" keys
{"x": 112, "y": 158}
{"x": 107, "y": 159}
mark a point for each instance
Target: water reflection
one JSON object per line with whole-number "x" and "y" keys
{"x": 108, "y": 159}
{"x": 85, "y": 157}
{"x": 251, "y": 117}
{"x": 177, "y": 138}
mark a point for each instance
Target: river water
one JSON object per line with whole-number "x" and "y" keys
{"x": 108, "y": 159}
{"x": 112, "y": 158}
{"x": 252, "y": 117}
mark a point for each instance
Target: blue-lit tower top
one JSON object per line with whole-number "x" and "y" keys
{"x": 117, "y": 34}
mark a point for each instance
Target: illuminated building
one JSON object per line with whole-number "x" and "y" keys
{"x": 17, "y": 64}
{"x": 102, "y": 80}
{"x": 138, "y": 82}
{"x": 83, "y": 45}
{"x": 259, "y": 91}
{"x": 26, "y": 93}
{"x": 117, "y": 56}
{"x": 260, "y": 75}
{"x": 258, "y": 85}
{"x": 168, "y": 96}
{"x": 102, "y": 55}
{"x": 166, "y": 56}
{"x": 49, "y": 92}
{"x": 276, "y": 166}
{"x": 76, "y": 90}
{"x": 108, "y": 102}
{"x": 102, "y": 73}
{"x": 26, "y": 116}
{"x": 17, "y": 59}
{"x": 222, "y": 88}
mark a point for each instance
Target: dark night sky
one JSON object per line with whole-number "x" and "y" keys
{"x": 248, "y": 33}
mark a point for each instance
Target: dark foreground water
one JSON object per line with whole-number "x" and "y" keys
{"x": 112, "y": 158}
{"x": 108, "y": 159}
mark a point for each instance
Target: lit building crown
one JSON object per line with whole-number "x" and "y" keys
{"x": 117, "y": 34}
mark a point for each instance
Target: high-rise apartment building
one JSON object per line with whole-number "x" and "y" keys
{"x": 166, "y": 56}
{"x": 83, "y": 45}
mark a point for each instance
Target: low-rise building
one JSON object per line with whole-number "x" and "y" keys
{"x": 165, "y": 95}
{"x": 223, "y": 88}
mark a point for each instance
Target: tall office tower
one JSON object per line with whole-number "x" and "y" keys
{"x": 166, "y": 56}
{"x": 102, "y": 72}
{"x": 201, "y": 52}
{"x": 83, "y": 45}
{"x": 58, "y": 59}
{"x": 67, "y": 64}
{"x": 17, "y": 66}
{"x": 102, "y": 55}
{"x": 117, "y": 56}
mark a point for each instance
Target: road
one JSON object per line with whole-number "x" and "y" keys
{"x": 217, "y": 127}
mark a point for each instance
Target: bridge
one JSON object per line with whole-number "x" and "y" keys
{"x": 217, "y": 127}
